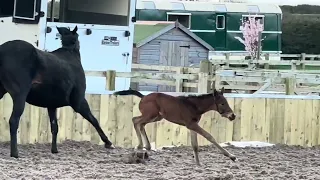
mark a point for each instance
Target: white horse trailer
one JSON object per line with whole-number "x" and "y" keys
{"x": 105, "y": 28}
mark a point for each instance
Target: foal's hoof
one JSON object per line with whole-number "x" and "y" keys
{"x": 138, "y": 147}
{"x": 233, "y": 158}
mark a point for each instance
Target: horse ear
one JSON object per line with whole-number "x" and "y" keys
{"x": 59, "y": 30}
{"x": 215, "y": 92}
{"x": 75, "y": 30}
{"x": 222, "y": 90}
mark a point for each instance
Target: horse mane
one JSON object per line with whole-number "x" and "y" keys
{"x": 202, "y": 96}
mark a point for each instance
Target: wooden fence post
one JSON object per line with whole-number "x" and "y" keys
{"x": 267, "y": 58}
{"x": 110, "y": 80}
{"x": 227, "y": 60}
{"x": 303, "y": 58}
{"x": 205, "y": 71}
{"x": 290, "y": 85}
{"x": 179, "y": 82}
{"x": 203, "y": 83}
{"x": 294, "y": 65}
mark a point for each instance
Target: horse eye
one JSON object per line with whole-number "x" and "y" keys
{"x": 222, "y": 104}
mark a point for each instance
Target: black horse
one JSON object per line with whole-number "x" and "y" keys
{"x": 45, "y": 79}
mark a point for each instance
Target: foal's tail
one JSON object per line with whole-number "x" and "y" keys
{"x": 129, "y": 92}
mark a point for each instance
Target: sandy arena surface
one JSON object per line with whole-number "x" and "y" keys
{"x": 83, "y": 160}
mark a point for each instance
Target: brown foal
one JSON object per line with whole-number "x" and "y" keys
{"x": 183, "y": 110}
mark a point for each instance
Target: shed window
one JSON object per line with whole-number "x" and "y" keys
{"x": 220, "y": 8}
{"x": 177, "y": 6}
{"x": 183, "y": 18}
{"x": 149, "y": 5}
{"x": 220, "y": 22}
{"x": 253, "y": 9}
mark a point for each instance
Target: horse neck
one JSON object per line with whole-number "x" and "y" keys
{"x": 68, "y": 54}
{"x": 71, "y": 46}
{"x": 204, "y": 104}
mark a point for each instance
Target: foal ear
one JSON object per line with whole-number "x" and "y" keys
{"x": 75, "y": 30}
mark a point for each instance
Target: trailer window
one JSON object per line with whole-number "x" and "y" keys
{"x": 220, "y": 22}
{"x": 261, "y": 18}
{"x": 183, "y": 18}
{"x": 102, "y": 12}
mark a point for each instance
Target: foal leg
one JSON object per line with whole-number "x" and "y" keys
{"x": 194, "y": 144}
{"x": 85, "y": 112}
{"x": 195, "y": 127}
{"x": 54, "y": 128}
{"x": 145, "y": 137}
{"x": 144, "y": 134}
{"x": 137, "y": 128}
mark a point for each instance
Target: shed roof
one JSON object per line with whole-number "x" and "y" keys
{"x": 142, "y": 31}
{"x": 209, "y": 6}
{"x": 145, "y": 33}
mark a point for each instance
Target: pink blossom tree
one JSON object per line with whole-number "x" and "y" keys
{"x": 251, "y": 31}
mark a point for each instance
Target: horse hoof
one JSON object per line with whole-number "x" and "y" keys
{"x": 14, "y": 155}
{"x": 54, "y": 151}
{"x": 109, "y": 146}
{"x": 147, "y": 148}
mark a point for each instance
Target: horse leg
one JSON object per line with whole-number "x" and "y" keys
{"x": 137, "y": 128}
{"x": 17, "y": 82}
{"x": 195, "y": 127}
{"x": 194, "y": 144}
{"x": 85, "y": 112}
{"x": 54, "y": 128}
{"x": 3, "y": 91}
{"x": 17, "y": 110}
{"x": 144, "y": 134}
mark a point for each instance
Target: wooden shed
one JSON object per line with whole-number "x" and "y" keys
{"x": 169, "y": 44}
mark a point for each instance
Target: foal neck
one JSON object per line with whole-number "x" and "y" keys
{"x": 204, "y": 103}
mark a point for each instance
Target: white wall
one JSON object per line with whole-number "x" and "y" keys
{"x": 11, "y": 31}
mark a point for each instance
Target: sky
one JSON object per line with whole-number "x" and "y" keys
{"x": 289, "y": 2}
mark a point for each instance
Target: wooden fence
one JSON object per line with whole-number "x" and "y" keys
{"x": 209, "y": 75}
{"x": 292, "y": 120}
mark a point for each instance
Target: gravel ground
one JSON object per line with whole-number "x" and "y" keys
{"x": 83, "y": 160}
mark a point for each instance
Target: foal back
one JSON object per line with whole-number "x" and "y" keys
{"x": 174, "y": 109}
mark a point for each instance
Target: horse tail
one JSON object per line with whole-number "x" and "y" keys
{"x": 129, "y": 92}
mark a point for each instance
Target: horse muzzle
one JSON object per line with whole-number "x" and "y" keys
{"x": 231, "y": 116}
